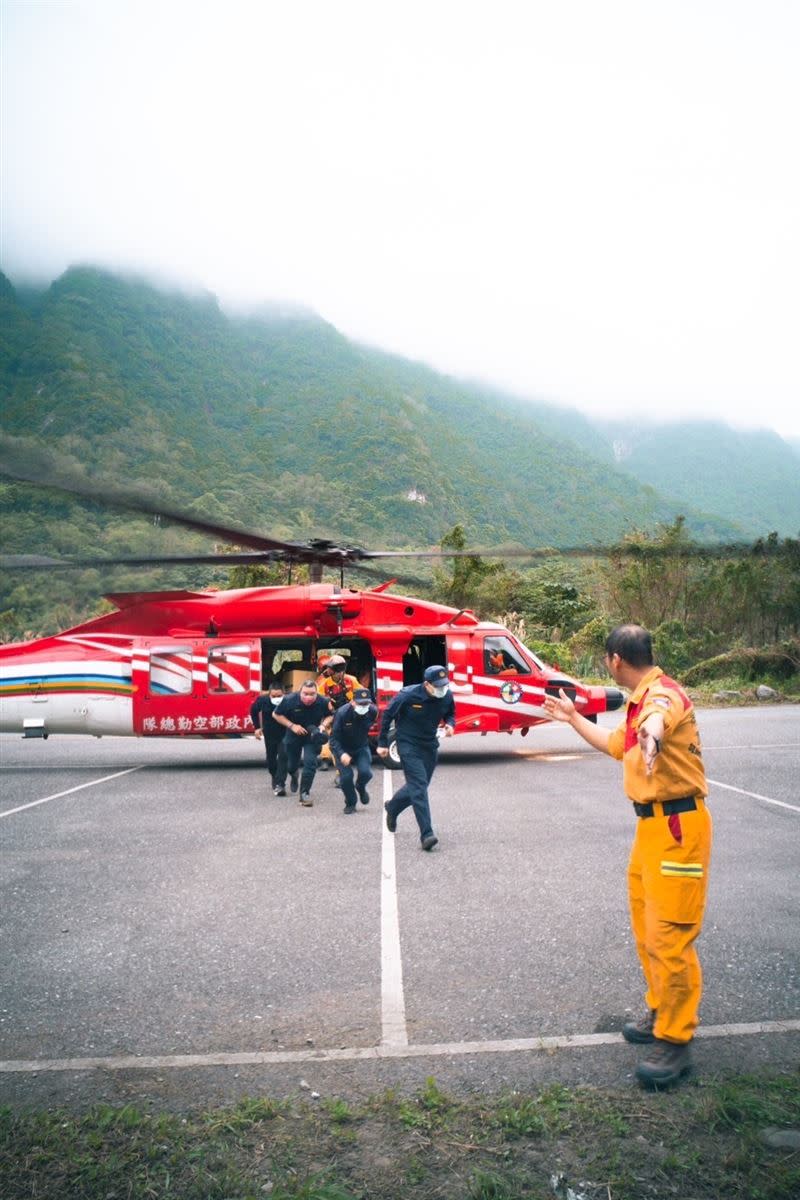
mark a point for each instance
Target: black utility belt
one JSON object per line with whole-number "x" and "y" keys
{"x": 668, "y": 807}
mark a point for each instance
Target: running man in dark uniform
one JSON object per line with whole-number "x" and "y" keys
{"x": 417, "y": 713}
{"x": 302, "y": 714}
{"x": 261, "y": 712}
{"x": 351, "y": 748}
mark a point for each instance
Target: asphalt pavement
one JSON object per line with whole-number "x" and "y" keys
{"x": 171, "y": 931}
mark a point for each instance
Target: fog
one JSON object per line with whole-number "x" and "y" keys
{"x": 593, "y": 204}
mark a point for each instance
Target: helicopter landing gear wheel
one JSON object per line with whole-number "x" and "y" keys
{"x": 392, "y": 761}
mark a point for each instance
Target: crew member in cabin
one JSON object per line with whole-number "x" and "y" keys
{"x": 351, "y": 748}
{"x": 663, "y": 775}
{"x": 273, "y": 735}
{"x": 306, "y": 717}
{"x": 417, "y": 713}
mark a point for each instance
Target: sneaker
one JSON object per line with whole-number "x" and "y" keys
{"x": 363, "y": 796}
{"x": 306, "y": 800}
{"x": 640, "y": 1031}
{"x": 349, "y": 808}
{"x": 429, "y": 841}
{"x": 279, "y": 790}
{"x": 665, "y": 1064}
{"x": 293, "y": 782}
{"x": 391, "y": 819}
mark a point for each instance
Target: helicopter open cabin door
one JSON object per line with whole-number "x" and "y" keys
{"x": 195, "y": 688}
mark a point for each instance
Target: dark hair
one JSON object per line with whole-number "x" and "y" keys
{"x": 632, "y": 643}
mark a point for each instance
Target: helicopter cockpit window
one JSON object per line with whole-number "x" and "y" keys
{"x": 501, "y": 657}
{"x": 170, "y": 670}
{"x": 228, "y": 668}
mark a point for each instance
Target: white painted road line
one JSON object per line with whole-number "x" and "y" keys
{"x": 69, "y": 791}
{"x": 393, "y": 1006}
{"x": 142, "y": 1062}
{"x": 754, "y": 795}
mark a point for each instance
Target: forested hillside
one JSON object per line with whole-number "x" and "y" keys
{"x": 279, "y": 423}
{"x": 753, "y": 477}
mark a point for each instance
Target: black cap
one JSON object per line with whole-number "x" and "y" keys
{"x": 436, "y": 676}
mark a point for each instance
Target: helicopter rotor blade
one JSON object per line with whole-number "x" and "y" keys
{"x": 632, "y": 549}
{"x": 40, "y": 562}
{"x": 21, "y": 461}
{"x": 27, "y": 465}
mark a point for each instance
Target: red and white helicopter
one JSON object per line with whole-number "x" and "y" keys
{"x": 189, "y": 663}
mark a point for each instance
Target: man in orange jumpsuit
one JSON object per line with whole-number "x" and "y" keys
{"x": 663, "y": 775}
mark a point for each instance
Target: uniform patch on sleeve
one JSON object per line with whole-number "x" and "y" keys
{"x": 662, "y": 700}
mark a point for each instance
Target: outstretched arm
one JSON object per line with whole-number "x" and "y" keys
{"x": 564, "y": 710}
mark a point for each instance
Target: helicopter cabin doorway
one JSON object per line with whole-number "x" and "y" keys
{"x": 290, "y": 661}
{"x": 430, "y": 651}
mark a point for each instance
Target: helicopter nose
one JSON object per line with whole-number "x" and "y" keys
{"x": 614, "y": 699}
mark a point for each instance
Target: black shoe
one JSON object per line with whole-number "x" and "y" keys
{"x": 641, "y": 1031}
{"x": 323, "y": 764}
{"x": 306, "y": 800}
{"x": 349, "y": 808}
{"x": 665, "y": 1064}
{"x": 391, "y": 819}
{"x": 429, "y": 841}
{"x": 279, "y": 790}
{"x": 363, "y": 796}
{"x": 293, "y": 782}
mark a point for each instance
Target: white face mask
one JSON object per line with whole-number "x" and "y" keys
{"x": 361, "y": 709}
{"x": 275, "y": 700}
{"x": 440, "y": 692}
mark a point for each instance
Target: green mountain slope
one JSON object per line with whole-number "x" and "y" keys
{"x": 753, "y": 478}
{"x": 280, "y": 422}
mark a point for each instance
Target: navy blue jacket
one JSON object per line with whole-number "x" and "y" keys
{"x": 417, "y": 715}
{"x": 261, "y": 711}
{"x": 351, "y": 729}
{"x": 307, "y": 715}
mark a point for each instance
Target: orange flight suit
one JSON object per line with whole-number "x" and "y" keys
{"x": 339, "y": 693}
{"x": 670, "y": 856}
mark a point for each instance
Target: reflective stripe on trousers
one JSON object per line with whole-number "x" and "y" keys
{"x": 667, "y": 886}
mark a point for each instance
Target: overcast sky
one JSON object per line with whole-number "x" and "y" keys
{"x": 588, "y": 201}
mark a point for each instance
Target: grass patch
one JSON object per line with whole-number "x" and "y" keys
{"x": 701, "y": 1140}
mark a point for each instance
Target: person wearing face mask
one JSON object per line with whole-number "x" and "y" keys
{"x": 350, "y": 745}
{"x": 337, "y": 686}
{"x": 265, "y": 728}
{"x": 417, "y": 712}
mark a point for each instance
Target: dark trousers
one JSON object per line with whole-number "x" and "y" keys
{"x": 418, "y": 760}
{"x": 298, "y": 748}
{"x": 360, "y": 761}
{"x": 275, "y": 752}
